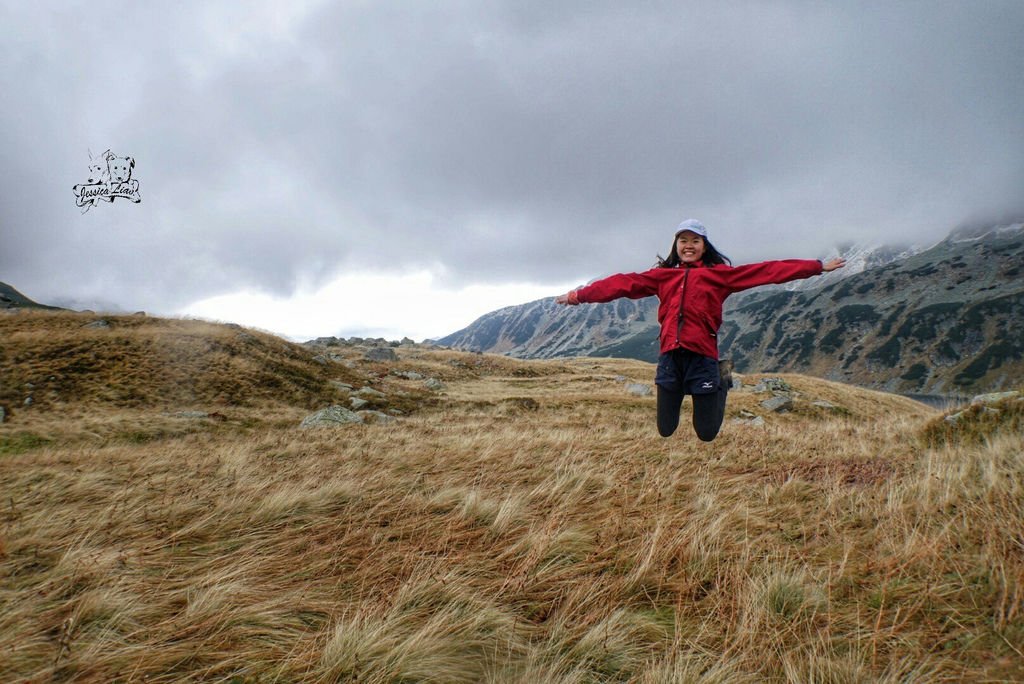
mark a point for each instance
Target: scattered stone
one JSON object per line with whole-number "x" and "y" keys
{"x": 778, "y": 404}
{"x": 406, "y": 342}
{"x": 755, "y": 421}
{"x": 101, "y": 323}
{"x": 777, "y": 385}
{"x": 376, "y": 417}
{"x": 325, "y": 342}
{"x": 245, "y": 337}
{"x": 357, "y": 403}
{"x": 737, "y": 382}
{"x": 747, "y": 415}
{"x": 322, "y": 360}
{"x": 28, "y": 401}
{"x": 342, "y": 386}
{"x": 954, "y": 418}
{"x": 3, "y": 414}
{"x": 332, "y": 416}
{"x": 371, "y": 393}
{"x": 380, "y": 354}
{"x": 824, "y": 404}
{"x": 408, "y": 375}
{"x": 638, "y": 389}
{"x": 992, "y": 397}
{"x": 433, "y": 384}
{"x": 396, "y": 412}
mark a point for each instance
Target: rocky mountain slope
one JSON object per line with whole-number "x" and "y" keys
{"x": 942, "y": 320}
{"x": 12, "y": 299}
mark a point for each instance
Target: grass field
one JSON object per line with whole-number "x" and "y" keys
{"x": 525, "y": 524}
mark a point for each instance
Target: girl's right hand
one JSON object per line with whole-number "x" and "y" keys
{"x": 568, "y": 298}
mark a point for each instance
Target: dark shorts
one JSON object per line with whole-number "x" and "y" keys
{"x": 687, "y": 372}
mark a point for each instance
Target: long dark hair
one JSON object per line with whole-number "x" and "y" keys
{"x": 711, "y": 256}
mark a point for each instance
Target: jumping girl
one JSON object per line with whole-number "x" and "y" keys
{"x": 691, "y": 284}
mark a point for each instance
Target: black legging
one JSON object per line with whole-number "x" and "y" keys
{"x": 708, "y": 412}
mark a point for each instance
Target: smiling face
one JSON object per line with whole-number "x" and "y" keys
{"x": 689, "y": 247}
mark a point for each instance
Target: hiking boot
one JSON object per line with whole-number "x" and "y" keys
{"x": 725, "y": 367}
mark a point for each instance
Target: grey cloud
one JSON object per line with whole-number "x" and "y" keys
{"x": 502, "y": 141}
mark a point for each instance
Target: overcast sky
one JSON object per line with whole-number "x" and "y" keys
{"x": 340, "y": 168}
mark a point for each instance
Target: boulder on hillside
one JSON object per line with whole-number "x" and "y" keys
{"x": 772, "y": 385}
{"x": 993, "y": 397}
{"x": 778, "y": 404}
{"x": 380, "y": 354}
{"x": 332, "y": 416}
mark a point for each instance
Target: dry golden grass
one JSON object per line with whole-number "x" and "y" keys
{"x": 526, "y": 525}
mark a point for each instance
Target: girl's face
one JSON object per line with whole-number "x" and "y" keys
{"x": 689, "y": 247}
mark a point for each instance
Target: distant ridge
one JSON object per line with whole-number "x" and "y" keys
{"x": 10, "y": 298}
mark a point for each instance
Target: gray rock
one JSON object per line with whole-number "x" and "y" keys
{"x": 322, "y": 360}
{"x": 369, "y": 392}
{"x": 380, "y": 354}
{"x": 954, "y": 418}
{"x": 28, "y": 401}
{"x": 824, "y": 404}
{"x": 777, "y": 385}
{"x": 409, "y": 375}
{"x": 992, "y": 397}
{"x": 406, "y": 342}
{"x": 621, "y": 378}
{"x": 356, "y": 403}
{"x": 433, "y": 384}
{"x": 3, "y": 414}
{"x": 638, "y": 389}
{"x": 341, "y": 386}
{"x": 778, "y": 404}
{"x": 756, "y": 421}
{"x": 332, "y": 416}
{"x": 325, "y": 342}
{"x": 101, "y": 323}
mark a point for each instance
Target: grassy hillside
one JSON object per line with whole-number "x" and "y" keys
{"x": 525, "y": 524}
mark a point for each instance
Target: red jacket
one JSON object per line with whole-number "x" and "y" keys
{"x": 691, "y": 297}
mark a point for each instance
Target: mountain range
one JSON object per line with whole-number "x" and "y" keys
{"x": 944, "y": 319}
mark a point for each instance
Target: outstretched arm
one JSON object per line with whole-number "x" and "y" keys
{"x": 631, "y": 285}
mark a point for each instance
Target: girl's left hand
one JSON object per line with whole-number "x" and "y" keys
{"x": 833, "y": 264}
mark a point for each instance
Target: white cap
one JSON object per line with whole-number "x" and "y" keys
{"x": 694, "y": 226}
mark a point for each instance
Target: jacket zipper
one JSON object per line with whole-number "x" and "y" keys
{"x": 682, "y": 301}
